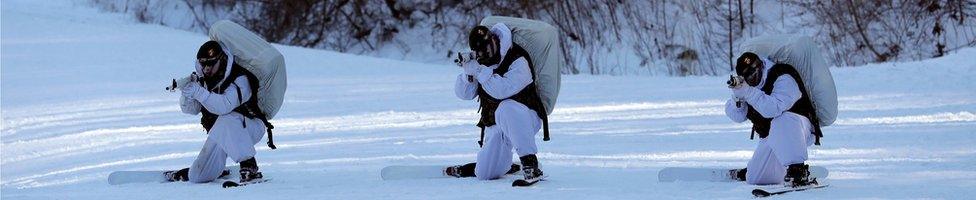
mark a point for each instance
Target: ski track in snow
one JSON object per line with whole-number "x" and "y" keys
{"x": 341, "y": 124}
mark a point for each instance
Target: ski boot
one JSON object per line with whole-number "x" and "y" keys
{"x": 530, "y": 171}
{"x": 798, "y": 175}
{"x": 738, "y": 174}
{"x": 461, "y": 171}
{"x": 184, "y": 175}
{"x": 249, "y": 170}
{"x": 178, "y": 175}
{"x": 515, "y": 169}
{"x": 467, "y": 170}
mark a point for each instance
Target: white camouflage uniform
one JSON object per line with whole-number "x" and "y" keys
{"x": 789, "y": 134}
{"x": 228, "y": 137}
{"x": 516, "y": 124}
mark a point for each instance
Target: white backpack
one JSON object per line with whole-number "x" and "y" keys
{"x": 258, "y": 57}
{"x": 805, "y": 56}
{"x": 541, "y": 41}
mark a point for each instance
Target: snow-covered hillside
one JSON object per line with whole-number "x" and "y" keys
{"x": 82, "y": 96}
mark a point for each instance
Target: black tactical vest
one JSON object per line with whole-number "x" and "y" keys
{"x": 528, "y": 96}
{"x": 803, "y": 106}
{"x": 249, "y": 108}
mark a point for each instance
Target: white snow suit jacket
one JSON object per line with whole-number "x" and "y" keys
{"x": 785, "y": 94}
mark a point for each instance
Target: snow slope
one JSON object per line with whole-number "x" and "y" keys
{"x": 82, "y": 96}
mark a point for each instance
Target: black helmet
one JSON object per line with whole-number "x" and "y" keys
{"x": 209, "y": 53}
{"x": 479, "y": 38}
{"x": 749, "y": 66}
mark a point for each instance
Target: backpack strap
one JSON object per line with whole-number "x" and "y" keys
{"x": 545, "y": 127}
{"x": 267, "y": 124}
{"x": 481, "y": 143}
{"x": 240, "y": 99}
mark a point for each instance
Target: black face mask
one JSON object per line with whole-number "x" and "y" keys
{"x": 753, "y": 75}
{"x": 486, "y": 58}
{"x": 750, "y": 67}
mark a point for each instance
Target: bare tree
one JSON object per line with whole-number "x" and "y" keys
{"x": 858, "y": 32}
{"x": 673, "y": 37}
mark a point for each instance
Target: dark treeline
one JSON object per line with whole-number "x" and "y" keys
{"x": 674, "y": 37}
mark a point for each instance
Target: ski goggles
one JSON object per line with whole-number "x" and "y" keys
{"x": 208, "y": 62}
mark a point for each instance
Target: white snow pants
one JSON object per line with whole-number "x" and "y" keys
{"x": 515, "y": 127}
{"x": 789, "y": 136}
{"x": 227, "y": 138}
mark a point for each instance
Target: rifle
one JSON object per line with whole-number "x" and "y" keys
{"x": 179, "y": 83}
{"x": 464, "y": 58}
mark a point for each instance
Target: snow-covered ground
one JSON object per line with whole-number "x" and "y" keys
{"x": 82, "y": 96}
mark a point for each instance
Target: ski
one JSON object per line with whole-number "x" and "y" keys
{"x": 401, "y": 172}
{"x": 157, "y": 176}
{"x": 523, "y": 183}
{"x": 672, "y": 174}
{"x": 526, "y": 183}
{"x": 230, "y": 184}
{"x": 782, "y": 189}
{"x": 406, "y": 172}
